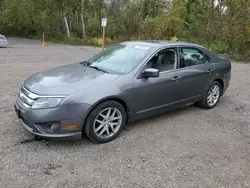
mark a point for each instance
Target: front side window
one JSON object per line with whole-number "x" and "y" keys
{"x": 193, "y": 56}
{"x": 119, "y": 59}
{"x": 164, "y": 60}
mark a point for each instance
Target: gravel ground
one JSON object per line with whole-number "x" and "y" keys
{"x": 190, "y": 147}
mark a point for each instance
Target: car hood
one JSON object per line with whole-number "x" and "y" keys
{"x": 66, "y": 79}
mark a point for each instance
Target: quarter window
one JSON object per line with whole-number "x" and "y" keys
{"x": 193, "y": 56}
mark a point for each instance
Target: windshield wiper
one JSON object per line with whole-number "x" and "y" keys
{"x": 87, "y": 64}
{"x": 97, "y": 68}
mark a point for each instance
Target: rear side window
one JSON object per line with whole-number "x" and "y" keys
{"x": 194, "y": 56}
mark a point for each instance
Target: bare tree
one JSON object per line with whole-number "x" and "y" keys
{"x": 66, "y": 25}
{"x": 82, "y": 20}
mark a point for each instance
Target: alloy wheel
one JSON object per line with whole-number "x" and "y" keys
{"x": 107, "y": 123}
{"x": 213, "y": 95}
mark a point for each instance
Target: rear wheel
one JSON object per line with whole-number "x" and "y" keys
{"x": 105, "y": 122}
{"x": 211, "y": 96}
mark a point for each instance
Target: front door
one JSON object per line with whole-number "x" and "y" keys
{"x": 155, "y": 94}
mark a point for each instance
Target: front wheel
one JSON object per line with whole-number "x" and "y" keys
{"x": 105, "y": 122}
{"x": 211, "y": 96}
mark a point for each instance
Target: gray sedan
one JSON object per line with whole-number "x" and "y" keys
{"x": 126, "y": 82}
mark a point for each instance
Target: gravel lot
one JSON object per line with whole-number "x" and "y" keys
{"x": 190, "y": 147}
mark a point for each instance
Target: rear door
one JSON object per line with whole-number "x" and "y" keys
{"x": 197, "y": 71}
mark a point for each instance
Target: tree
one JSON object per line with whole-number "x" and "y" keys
{"x": 223, "y": 25}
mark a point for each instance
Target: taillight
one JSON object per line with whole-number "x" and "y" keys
{"x": 2, "y": 37}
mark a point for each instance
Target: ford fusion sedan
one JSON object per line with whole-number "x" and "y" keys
{"x": 126, "y": 82}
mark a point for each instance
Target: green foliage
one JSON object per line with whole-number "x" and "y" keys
{"x": 223, "y": 27}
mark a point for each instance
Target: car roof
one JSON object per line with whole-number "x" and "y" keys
{"x": 157, "y": 44}
{"x": 161, "y": 43}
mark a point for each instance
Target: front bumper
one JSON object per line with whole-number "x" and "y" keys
{"x": 76, "y": 136}
{"x": 227, "y": 78}
{"x": 38, "y": 121}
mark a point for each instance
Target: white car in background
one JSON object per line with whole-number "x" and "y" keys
{"x": 3, "y": 40}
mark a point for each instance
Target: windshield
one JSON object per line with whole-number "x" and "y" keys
{"x": 119, "y": 59}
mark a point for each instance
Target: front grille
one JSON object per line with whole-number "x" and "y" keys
{"x": 27, "y": 97}
{"x": 29, "y": 93}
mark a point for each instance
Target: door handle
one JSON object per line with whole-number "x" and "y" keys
{"x": 176, "y": 78}
{"x": 210, "y": 70}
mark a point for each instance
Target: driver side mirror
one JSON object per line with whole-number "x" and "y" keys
{"x": 151, "y": 73}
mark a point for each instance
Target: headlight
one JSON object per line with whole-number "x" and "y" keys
{"x": 46, "y": 103}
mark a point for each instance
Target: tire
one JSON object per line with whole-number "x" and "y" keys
{"x": 98, "y": 122}
{"x": 204, "y": 103}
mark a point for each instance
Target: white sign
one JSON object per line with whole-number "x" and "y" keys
{"x": 104, "y": 22}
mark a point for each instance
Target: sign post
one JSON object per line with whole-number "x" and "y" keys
{"x": 43, "y": 43}
{"x": 104, "y": 24}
